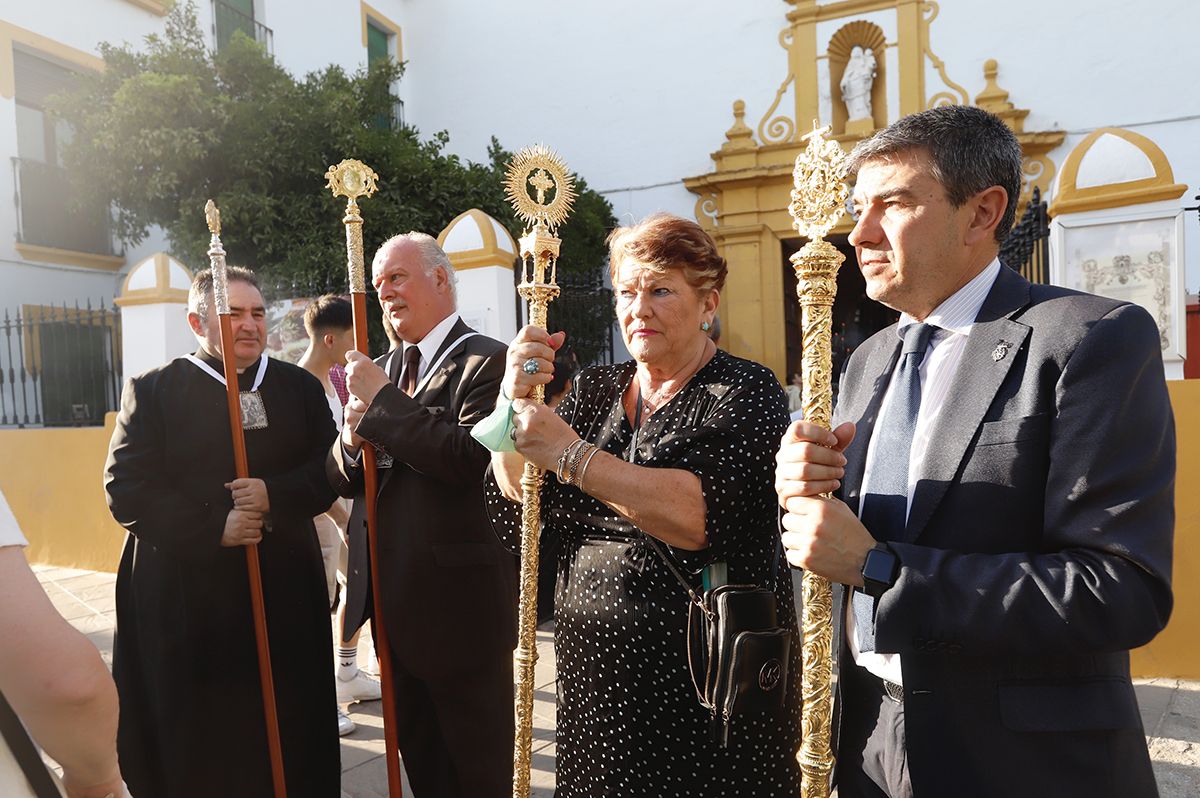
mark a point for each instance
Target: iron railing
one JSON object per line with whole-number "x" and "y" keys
{"x": 585, "y": 310}
{"x": 60, "y": 366}
{"x": 227, "y": 20}
{"x": 1026, "y": 248}
{"x": 50, "y": 212}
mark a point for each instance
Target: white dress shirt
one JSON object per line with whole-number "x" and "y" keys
{"x": 954, "y": 317}
{"x": 429, "y": 345}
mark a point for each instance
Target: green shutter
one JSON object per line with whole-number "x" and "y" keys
{"x": 233, "y": 15}
{"x": 377, "y": 44}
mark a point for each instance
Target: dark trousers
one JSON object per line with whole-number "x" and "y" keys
{"x": 455, "y": 730}
{"x": 872, "y": 762}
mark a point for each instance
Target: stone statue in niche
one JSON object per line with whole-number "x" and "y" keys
{"x": 856, "y": 83}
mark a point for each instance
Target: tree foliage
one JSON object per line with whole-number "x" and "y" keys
{"x": 166, "y": 127}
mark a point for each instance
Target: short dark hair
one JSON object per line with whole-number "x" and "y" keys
{"x": 326, "y": 313}
{"x": 200, "y": 294}
{"x": 971, "y": 150}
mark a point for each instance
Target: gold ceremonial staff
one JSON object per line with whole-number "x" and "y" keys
{"x": 353, "y": 179}
{"x": 818, "y": 201}
{"x": 241, "y": 464}
{"x": 541, "y": 191}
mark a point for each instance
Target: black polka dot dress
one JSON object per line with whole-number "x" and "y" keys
{"x": 629, "y": 722}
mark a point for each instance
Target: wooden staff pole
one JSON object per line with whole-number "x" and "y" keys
{"x": 353, "y": 179}
{"x": 216, "y": 255}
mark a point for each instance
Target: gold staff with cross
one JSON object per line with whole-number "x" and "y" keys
{"x": 818, "y": 202}
{"x": 541, "y": 169}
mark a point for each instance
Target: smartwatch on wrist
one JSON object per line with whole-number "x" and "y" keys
{"x": 879, "y": 570}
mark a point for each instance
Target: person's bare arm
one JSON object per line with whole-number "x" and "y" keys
{"x": 70, "y": 709}
{"x": 664, "y": 502}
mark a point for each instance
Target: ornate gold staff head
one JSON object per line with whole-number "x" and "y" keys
{"x": 216, "y": 259}
{"x": 542, "y": 192}
{"x": 819, "y": 194}
{"x": 353, "y": 179}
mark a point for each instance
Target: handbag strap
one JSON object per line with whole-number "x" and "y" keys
{"x": 25, "y": 752}
{"x": 631, "y": 456}
{"x": 652, "y": 541}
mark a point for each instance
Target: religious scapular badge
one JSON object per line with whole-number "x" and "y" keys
{"x": 254, "y": 412}
{"x": 1000, "y": 351}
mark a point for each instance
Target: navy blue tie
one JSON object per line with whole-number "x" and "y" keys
{"x": 885, "y": 506}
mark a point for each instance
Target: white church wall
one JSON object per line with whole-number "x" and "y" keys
{"x": 627, "y": 91}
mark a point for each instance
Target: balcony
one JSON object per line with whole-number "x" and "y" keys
{"x": 227, "y": 19}
{"x": 50, "y": 213}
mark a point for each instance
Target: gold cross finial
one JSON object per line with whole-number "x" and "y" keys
{"x": 817, "y": 131}
{"x": 542, "y": 182}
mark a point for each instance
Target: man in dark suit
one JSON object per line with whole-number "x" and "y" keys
{"x": 448, "y": 588}
{"x": 1006, "y": 464}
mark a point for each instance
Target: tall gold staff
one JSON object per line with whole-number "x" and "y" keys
{"x": 353, "y": 179}
{"x": 241, "y": 464}
{"x": 541, "y": 191}
{"x": 818, "y": 201}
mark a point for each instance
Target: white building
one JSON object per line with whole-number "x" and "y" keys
{"x": 639, "y": 97}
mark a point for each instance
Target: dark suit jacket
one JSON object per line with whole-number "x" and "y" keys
{"x": 448, "y": 587}
{"x": 1038, "y": 547}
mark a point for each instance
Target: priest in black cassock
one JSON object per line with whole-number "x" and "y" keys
{"x": 184, "y": 657}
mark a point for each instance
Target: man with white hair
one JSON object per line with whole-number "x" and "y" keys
{"x": 447, "y": 587}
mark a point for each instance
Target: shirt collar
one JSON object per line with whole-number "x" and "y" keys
{"x": 958, "y": 311}
{"x": 433, "y": 340}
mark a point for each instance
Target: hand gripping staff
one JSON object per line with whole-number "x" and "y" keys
{"x": 353, "y": 179}
{"x": 216, "y": 260}
{"x": 818, "y": 202}
{"x": 541, "y": 190}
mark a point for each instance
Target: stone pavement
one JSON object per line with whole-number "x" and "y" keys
{"x": 1170, "y": 707}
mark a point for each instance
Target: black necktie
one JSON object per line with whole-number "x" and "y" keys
{"x": 885, "y": 505}
{"x": 412, "y": 363}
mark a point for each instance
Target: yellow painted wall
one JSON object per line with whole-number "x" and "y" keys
{"x": 1176, "y": 651}
{"x": 53, "y": 480}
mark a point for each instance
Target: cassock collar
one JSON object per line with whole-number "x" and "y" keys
{"x": 246, "y": 375}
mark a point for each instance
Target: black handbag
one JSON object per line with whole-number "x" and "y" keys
{"x": 737, "y": 651}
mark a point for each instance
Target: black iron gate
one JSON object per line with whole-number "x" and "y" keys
{"x": 59, "y": 366}
{"x": 1027, "y": 246}
{"x": 585, "y": 311}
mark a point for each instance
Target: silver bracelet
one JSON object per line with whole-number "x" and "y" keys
{"x": 584, "y": 466}
{"x": 576, "y": 458}
{"x": 565, "y": 458}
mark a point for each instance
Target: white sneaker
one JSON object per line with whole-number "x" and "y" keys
{"x": 360, "y": 688}
{"x": 345, "y": 724}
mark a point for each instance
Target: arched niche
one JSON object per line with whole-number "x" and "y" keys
{"x": 858, "y": 33}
